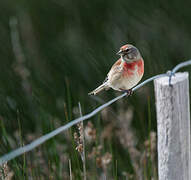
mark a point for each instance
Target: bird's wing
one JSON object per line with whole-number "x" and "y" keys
{"x": 116, "y": 64}
{"x": 115, "y": 72}
{"x": 113, "y": 68}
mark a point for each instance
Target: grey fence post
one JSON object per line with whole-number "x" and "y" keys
{"x": 173, "y": 126}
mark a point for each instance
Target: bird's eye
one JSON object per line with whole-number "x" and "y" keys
{"x": 127, "y": 50}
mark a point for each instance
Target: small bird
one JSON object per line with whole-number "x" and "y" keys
{"x": 125, "y": 73}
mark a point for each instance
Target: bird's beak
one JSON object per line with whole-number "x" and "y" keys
{"x": 120, "y": 52}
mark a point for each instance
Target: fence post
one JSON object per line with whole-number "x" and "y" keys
{"x": 173, "y": 126}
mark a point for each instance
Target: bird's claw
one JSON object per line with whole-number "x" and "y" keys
{"x": 129, "y": 92}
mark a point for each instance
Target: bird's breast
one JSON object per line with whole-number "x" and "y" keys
{"x": 131, "y": 75}
{"x": 133, "y": 68}
{"x": 125, "y": 75}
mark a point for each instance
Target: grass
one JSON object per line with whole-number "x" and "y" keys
{"x": 105, "y": 155}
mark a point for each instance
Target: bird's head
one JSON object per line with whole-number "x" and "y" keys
{"x": 129, "y": 53}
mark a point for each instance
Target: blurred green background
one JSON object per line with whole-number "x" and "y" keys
{"x": 54, "y": 52}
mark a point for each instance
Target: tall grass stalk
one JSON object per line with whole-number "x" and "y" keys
{"x": 83, "y": 155}
{"x": 70, "y": 169}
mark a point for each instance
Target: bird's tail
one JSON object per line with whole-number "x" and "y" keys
{"x": 104, "y": 86}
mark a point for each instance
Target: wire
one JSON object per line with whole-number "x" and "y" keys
{"x": 13, "y": 154}
{"x": 176, "y": 68}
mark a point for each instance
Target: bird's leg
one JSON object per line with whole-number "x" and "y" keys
{"x": 128, "y": 91}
